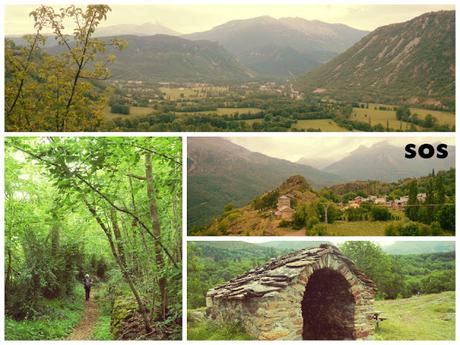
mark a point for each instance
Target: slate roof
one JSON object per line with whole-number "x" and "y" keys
{"x": 278, "y": 273}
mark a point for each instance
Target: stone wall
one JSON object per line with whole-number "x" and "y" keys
{"x": 278, "y": 314}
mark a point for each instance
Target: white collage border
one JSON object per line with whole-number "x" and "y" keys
{"x": 184, "y": 136}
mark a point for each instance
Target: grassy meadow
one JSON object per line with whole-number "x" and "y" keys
{"x": 325, "y": 125}
{"x": 378, "y": 116}
{"x": 425, "y": 317}
{"x": 133, "y": 112}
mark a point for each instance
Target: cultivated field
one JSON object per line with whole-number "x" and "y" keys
{"x": 325, "y": 125}
{"x": 444, "y": 118}
{"x": 385, "y": 117}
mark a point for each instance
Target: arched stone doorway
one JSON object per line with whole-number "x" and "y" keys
{"x": 328, "y": 307}
{"x": 316, "y": 294}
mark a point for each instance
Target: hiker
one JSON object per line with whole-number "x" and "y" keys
{"x": 87, "y": 282}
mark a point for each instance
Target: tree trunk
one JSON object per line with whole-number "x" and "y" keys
{"x": 156, "y": 230}
{"x": 142, "y": 308}
{"x": 118, "y": 239}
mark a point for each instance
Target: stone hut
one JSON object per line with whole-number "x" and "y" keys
{"x": 283, "y": 208}
{"x": 310, "y": 294}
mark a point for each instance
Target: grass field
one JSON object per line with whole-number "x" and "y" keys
{"x": 175, "y": 93}
{"x": 361, "y": 228}
{"x": 379, "y": 117}
{"x": 222, "y": 111}
{"x": 444, "y": 118}
{"x": 427, "y": 317}
{"x": 382, "y": 116}
{"x": 326, "y": 125}
{"x": 133, "y": 112}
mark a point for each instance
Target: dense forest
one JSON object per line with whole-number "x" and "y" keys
{"x": 105, "y": 207}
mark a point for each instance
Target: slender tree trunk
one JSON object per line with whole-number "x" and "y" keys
{"x": 156, "y": 230}
{"x": 142, "y": 308}
{"x": 117, "y": 234}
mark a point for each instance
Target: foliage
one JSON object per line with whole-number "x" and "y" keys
{"x": 209, "y": 265}
{"x": 60, "y": 318}
{"x": 118, "y": 108}
{"x": 207, "y": 330}
{"x": 380, "y": 213}
{"x": 56, "y": 92}
{"x": 80, "y": 205}
{"x": 377, "y": 265}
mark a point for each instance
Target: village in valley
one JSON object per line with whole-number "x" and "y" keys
{"x": 256, "y": 106}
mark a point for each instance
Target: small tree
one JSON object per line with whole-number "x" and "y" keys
{"x": 45, "y": 92}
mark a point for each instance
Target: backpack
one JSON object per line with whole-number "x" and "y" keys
{"x": 87, "y": 282}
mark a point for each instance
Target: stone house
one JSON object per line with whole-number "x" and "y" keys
{"x": 421, "y": 197}
{"x": 401, "y": 202}
{"x": 283, "y": 208}
{"x": 310, "y": 294}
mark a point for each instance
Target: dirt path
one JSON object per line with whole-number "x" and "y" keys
{"x": 85, "y": 327}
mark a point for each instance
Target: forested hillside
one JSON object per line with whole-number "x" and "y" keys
{"x": 106, "y": 207}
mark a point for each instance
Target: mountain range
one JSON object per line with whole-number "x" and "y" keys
{"x": 281, "y": 48}
{"x": 171, "y": 58}
{"x": 388, "y": 163}
{"x": 411, "y": 62}
{"x": 221, "y": 172}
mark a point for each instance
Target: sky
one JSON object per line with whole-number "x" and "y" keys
{"x": 186, "y": 18}
{"x": 330, "y": 149}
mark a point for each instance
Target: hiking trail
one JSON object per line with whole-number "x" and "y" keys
{"x": 85, "y": 327}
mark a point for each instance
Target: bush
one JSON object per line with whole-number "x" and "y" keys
{"x": 380, "y": 213}
{"x": 318, "y": 230}
{"x": 213, "y": 330}
{"x": 312, "y": 221}
{"x": 436, "y": 229}
{"x": 118, "y": 108}
{"x": 446, "y": 217}
{"x": 229, "y": 207}
{"x": 407, "y": 229}
{"x": 284, "y": 223}
{"x": 266, "y": 201}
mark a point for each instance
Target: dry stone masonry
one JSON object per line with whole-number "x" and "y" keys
{"x": 309, "y": 294}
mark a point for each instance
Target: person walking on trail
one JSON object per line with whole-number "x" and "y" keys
{"x": 87, "y": 283}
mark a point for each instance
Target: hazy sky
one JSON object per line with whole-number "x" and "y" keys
{"x": 193, "y": 18}
{"x": 328, "y": 148}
